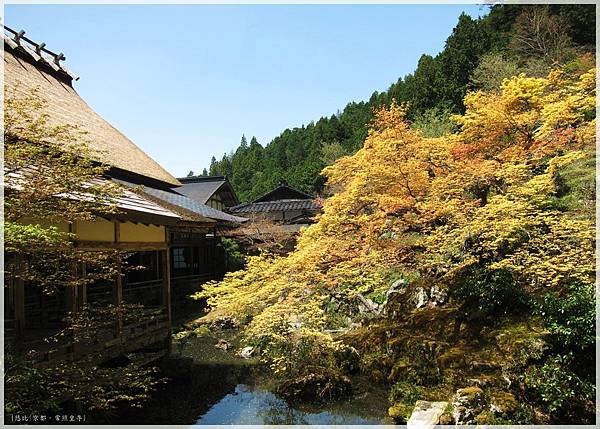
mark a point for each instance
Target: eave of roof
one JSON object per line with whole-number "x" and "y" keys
{"x": 131, "y": 205}
{"x": 276, "y": 206}
{"x": 183, "y": 204}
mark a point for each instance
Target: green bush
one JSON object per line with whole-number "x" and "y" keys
{"x": 556, "y": 385}
{"x": 235, "y": 259}
{"x": 405, "y": 392}
{"x": 487, "y": 292}
{"x": 571, "y": 319}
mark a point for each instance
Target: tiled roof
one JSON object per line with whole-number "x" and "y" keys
{"x": 283, "y": 192}
{"x": 276, "y": 206}
{"x": 131, "y": 201}
{"x": 201, "y": 191}
{"x": 175, "y": 199}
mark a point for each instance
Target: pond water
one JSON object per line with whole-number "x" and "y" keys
{"x": 208, "y": 386}
{"x": 223, "y": 396}
{"x": 248, "y": 405}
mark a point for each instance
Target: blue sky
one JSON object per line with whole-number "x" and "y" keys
{"x": 185, "y": 82}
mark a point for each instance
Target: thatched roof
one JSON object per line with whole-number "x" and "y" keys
{"x": 201, "y": 188}
{"x": 26, "y": 71}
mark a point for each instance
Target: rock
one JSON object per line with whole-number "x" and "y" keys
{"x": 312, "y": 386}
{"x": 296, "y": 325}
{"x": 247, "y": 352}
{"x": 400, "y": 368}
{"x": 365, "y": 305}
{"x": 396, "y": 287}
{"x": 420, "y": 297}
{"x": 484, "y": 418}
{"x": 453, "y": 358}
{"x": 480, "y": 382}
{"x": 503, "y": 403}
{"x": 446, "y": 419}
{"x": 426, "y": 414}
{"x": 223, "y": 345}
{"x": 484, "y": 366}
{"x": 225, "y": 323}
{"x": 348, "y": 359}
{"x": 468, "y": 403}
{"x": 438, "y": 295}
{"x": 295, "y": 322}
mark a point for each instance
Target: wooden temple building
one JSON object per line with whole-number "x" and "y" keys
{"x": 275, "y": 219}
{"x": 284, "y": 204}
{"x": 214, "y": 191}
{"x": 172, "y": 236}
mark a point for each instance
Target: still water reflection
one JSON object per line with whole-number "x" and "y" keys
{"x": 251, "y": 405}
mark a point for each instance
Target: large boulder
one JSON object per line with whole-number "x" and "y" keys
{"x": 403, "y": 296}
{"x": 426, "y": 414}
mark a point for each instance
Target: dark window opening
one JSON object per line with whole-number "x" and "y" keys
{"x": 190, "y": 261}
{"x": 143, "y": 280}
{"x": 143, "y": 267}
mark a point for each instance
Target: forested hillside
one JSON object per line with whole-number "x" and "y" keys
{"x": 458, "y": 268}
{"x": 477, "y": 55}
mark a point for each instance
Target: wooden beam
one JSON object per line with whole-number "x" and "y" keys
{"x": 102, "y": 245}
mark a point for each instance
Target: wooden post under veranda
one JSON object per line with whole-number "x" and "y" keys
{"x": 118, "y": 286}
{"x": 166, "y": 295}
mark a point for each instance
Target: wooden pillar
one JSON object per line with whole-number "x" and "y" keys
{"x": 118, "y": 286}
{"x": 166, "y": 266}
{"x": 19, "y": 296}
{"x": 72, "y": 293}
{"x": 83, "y": 300}
{"x": 214, "y": 254}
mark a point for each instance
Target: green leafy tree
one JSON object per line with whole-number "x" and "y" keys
{"x": 492, "y": 70}
{"x": 50, "y": 180}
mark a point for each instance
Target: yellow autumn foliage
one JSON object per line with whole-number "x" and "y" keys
{"x": 430, "y": 208}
